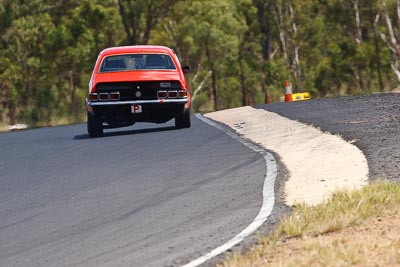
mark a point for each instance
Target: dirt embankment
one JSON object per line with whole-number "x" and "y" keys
{"x": 318, "y": 163}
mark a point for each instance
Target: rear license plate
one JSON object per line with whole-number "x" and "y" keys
{"x": 136, "y": 108}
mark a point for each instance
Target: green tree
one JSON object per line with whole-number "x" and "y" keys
{"x": 139, "y": 17}
{"x": 240, "y": 51}
{"x": 212, "y": 32}
{"x": 48, "y": 50}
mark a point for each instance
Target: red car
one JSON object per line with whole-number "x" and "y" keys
{"x": 137, "y": 84}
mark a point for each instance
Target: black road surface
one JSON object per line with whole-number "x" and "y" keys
{"x": 371, "y": 122}
{"x": 149, "y": 196}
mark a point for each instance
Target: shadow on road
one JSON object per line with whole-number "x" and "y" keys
{"x": 127, "y": 132}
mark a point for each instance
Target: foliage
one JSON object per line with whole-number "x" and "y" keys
{"x": 237, "y": 49}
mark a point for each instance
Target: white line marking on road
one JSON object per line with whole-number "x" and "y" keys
{"x": 268, "y": 197}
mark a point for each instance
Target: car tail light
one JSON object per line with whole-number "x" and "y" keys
{"x": 103, "y": 97}
{"x": 183, "y": 94}
{"x": 93, "y": 97}
{"x": 114, "y": 96}
{"x": 162, "y": 94}
{"x": 172, "y": 94}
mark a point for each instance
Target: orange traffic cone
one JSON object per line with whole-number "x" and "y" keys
{"x": 288, "y": 92}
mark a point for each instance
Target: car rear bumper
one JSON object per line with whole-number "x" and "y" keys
{"x": 120, "y": 112}
{"x": 138, "y": 102}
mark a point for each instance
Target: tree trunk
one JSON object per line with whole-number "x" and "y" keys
{"x": 149, "y": 25}
{"x": 282, "y": 38}
{"x": 264, "y": 21}
{"x": 391, "y": 42}
{"x": 129, "y": 36}
{"x": 265, "y": 28}
{"x": 267, "y": 94}
{"x": 214, "y": 87}
{"x": 201, "y": 85}
{"x": 242, "y": 79}
{"x": 73, "y": 109}
{"x": 28, "y": 93}
{"x": 377, "y": 48}
{"x": 297, "y": 69}
{"x": 378, "y": 62}
{"x": 296, "y": 59}
{"x": 12, "y": 114}
{"x": 395, "y": 66}
{"x": 358, "y": 21}
{"x": 213, "y": 79}
{"x": 398, "y": 13}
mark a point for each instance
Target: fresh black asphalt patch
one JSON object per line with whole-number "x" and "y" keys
{"x": 372, "y": 123}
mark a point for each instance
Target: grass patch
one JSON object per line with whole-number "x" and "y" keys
{"x": 345, "y": 208}
{"x": 299, "y": 239}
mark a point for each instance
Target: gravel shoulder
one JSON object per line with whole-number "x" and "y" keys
{"x": 371, "y": 122}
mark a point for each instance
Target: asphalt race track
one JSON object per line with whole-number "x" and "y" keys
{"x": 148, "y": 195}
{"x": 370, "y": 122}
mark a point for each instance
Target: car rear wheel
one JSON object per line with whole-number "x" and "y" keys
{"x": 94, "y": 125}
{"x": 183, "y": 119}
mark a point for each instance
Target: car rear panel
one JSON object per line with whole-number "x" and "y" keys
{"x": 138, "y": 90}
{"x": 133, "y": 76}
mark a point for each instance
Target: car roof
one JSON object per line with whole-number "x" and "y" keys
{"x": 136, "y": 49}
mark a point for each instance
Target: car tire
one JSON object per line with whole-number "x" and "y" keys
{"x": 94, "y": 126}
{"x": 183, "y": 119}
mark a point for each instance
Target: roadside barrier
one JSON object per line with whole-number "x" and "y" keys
{"x": 301, "y": 96}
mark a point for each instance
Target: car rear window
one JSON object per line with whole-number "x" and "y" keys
{"x": 130, "y": 62}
